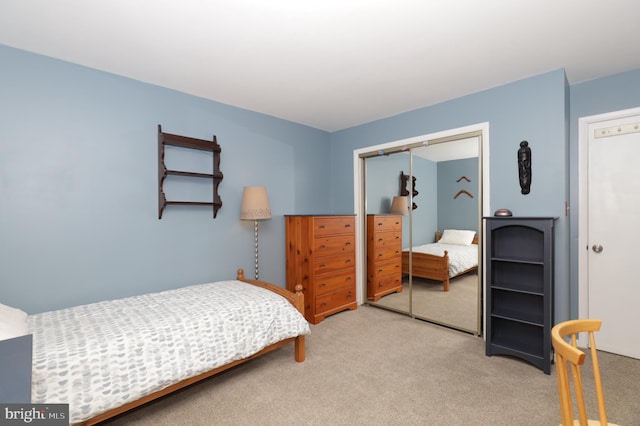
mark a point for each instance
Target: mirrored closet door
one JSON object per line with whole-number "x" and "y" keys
{"x": 386, "y": 232}
{"x": 442, "y": 184}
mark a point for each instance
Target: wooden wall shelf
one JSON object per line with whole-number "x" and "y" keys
{"x": 165, "y": 139}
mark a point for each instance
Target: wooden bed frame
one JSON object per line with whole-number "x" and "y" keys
{"x": 431, "y": 266}
{"x": 296, "y": 299}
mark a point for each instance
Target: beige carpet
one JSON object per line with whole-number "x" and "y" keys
{"x": 375, "y": 367}
{"x": 457, "y": 307}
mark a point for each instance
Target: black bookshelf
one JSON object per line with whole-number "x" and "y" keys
{"x": 519, "y": 288}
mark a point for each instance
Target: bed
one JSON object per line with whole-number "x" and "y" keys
{"x": 106, "y": 358}
{"x": 454, "y": 253}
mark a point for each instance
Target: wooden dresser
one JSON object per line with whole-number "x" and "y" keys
{"x": 384, "y": 255}
{"x": 321, "y": 255}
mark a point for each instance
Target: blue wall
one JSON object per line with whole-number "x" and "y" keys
{"x": 534, "y": 109}
{"x": 383, "y": 182}
{"x": 436, "y": 185}
{"x": 460, "y": 212}
{"x": 78, "y": 186}
{"x": 613, "y": 93}
{"x": 425, "y": 216}
{"x": 78, "y": 176}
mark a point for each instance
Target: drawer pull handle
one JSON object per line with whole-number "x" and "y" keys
{"x": 380, "y": 270}
{"x": 324, "y": 303}
{"x": 348, "y": 261}
{"x": 348, "y": 243}
{"x": 349, "y": 295}
{"x": 322, "y": 226}
{"x": 323, "y": 284}
{"x": 380, "y": 239}
{"x": 323, "y": 246}
{"x": 348, "y": 225}
{"x": 324, "y": 265}
{"x": 379, "y": 223}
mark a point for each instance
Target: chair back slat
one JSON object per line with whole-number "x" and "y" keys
{"x": 570, "y": 357}
{"x": 598, "y": 380}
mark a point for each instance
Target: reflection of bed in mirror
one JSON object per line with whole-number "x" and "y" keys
{"x": 454, "y": 253}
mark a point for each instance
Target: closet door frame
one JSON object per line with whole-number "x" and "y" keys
{"x": 359, "y": 177}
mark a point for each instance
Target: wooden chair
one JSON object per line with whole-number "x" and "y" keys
{"x": 567, "y": 354}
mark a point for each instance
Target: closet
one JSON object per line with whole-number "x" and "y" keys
{"x": 433, "y": 170}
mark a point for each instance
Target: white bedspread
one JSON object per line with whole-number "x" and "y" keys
{"x": 461, "y": 258}
{"x": 100, "y": 356}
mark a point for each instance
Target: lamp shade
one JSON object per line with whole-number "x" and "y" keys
{"x": 400, "y": 205}
{"x": 255, "y": 203}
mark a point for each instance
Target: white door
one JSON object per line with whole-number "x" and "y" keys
{"x": 614, "y": 233}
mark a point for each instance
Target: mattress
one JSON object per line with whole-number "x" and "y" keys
{"x": 461, "y": 258}
{"x": 100, "y": 356}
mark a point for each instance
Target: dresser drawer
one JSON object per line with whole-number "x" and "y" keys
{"x": 333, "y": 225}
{"x": 383, "y": 269}
{"x": 385, "y": 253}
{"x": 325, "y": 246}
{"x": 329, "y": 264}
{"x": 384, "y": 284}
{"x": 387, "y": 223}
{"x": 328, "y": 283}
{"x": 386, "y": 239}
{"x": 335, "y": 300}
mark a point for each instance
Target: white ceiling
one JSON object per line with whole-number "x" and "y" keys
{"x": 330, "y": 64}
{"x": 462, "y": 148}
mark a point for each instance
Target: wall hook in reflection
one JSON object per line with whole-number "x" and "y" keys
{"x": 462, "y": 191}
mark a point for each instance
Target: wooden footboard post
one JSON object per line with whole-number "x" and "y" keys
{"x": 299, "y": 349}
{"x": 445, "y": 284}
{"x": 299, "y": 343}
{"x": 299, "y": 299}
{"x": 295, "y": 298}
{"x": 240, "y": 275}
{"x": 445, "y": 272}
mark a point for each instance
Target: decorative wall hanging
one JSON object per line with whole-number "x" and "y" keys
{"x": 524, "y": 167}
{"x": 462, "y": 191}
{"x": 404, "y": 180}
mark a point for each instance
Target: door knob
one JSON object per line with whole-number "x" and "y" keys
{"x": 597, "y": 248}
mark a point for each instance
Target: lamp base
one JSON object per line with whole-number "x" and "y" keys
{"x": 255, "y": 222}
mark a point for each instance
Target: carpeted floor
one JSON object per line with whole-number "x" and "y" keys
{"x": 375, "y": 367}
{"x": 457, "y": 307}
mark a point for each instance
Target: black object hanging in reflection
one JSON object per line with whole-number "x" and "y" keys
{"x": 404, "y": 180}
